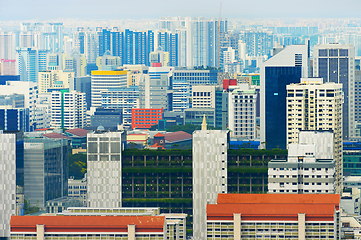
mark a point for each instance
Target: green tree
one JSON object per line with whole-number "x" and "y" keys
{"x": 28, "y": 209}
{"x": 77, "y": 165}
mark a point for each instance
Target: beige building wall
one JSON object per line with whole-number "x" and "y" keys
{"x": 314, "y": 105}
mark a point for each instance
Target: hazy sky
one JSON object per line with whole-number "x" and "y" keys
{"x": 154, "y": 9}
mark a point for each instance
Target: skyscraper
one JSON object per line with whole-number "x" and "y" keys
{"x": 68, "y": 109}
{"x": 7, "y": 182}
{"x": 335, "y": 63}
{"x": 45, "y": 170}
{"x": 7, "y": 45}
{"x": 287, "y": 66}
{"x": 168, "y": 42}
{"x": 27, "y": 64}
{"x": 314, "y": 105}
{"x": 104, "y": 175}
{"x": 103, "y": 80}
{"x": 198, "y": 39}
{"x": 209, "y": 174}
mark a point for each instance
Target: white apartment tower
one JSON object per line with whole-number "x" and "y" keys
{"x": 104, "y": 175}
{"x": 336, "y": 63}
{"x": 7, "y": 182}
{"x": 309, "y": 168}
{"x": 314, "y": 105}
{"x": 68, "y": 109}
{"x": 242, "y": 112}
{"x": 103, "y": 80}
{"x": 7, "y": 45}
{"x": 209, "y": 174}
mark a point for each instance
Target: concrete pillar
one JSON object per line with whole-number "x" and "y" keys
{"x": 40, "y": 229}
{"x": 237, "y": 226}
{"x": 131, "y": 232}
{"x": 301, "y": 226}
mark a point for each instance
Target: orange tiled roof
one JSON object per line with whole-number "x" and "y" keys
{"x": 159, "y": 135}
{"x": 86, "y": 223}
{"x": 271, "y": 211}
{"x": 157, "y": 145}
{"x": 278, "y": 198}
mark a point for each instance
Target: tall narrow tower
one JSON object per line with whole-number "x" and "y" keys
{"x": 209, "y": 174}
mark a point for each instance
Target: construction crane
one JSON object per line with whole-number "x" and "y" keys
{"x": 219, "y": 31}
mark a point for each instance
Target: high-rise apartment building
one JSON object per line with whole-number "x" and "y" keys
{"x": 336, "y": 63}
{"x": 30, "y": 92}
{"x": 181, "y": 95}
{"x": 103, "y": 80}
{"x": 27, "y": 64}
{"x": 153, "y": 90}
{"x": 287, "y": 66}
{"x": 242, "y": 112}
{"x": 7, "y": 67}
{"x": 258, "y": 43}
{"x": 122, "y": 98}
{"x": 314, "y": 105}
{"x": 205, "y": 97}
{"x": 309, "y": 167}
{"x": 68, "y": 109}
{"x": 104, "y": 174}
{"x": 209, "y": 174}
{"x": 54, "y": 79}
{"x": 7, "y": 182}
{"x": 198, "y": 39}
{"x": 45, "y": 170}
{"x": 7, "y": 45}
{"x": 168, "y": 42}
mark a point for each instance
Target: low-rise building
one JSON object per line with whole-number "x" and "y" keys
{"x": 70, "y": 227}
{"x": 274, "y": 216}
{"x": 309, "y": 167}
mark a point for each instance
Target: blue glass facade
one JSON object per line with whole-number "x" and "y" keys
{"x": 15, "y": 119}
{"x": 276, "y": 80}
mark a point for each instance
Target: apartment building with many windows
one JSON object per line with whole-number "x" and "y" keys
{"x": 314, "y": 105}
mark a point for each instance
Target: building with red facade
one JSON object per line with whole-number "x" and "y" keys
{"x": 144, "y": 118}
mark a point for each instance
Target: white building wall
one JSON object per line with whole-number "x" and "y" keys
{"x": 209, "y": 174}
{"x": 103, "y": 82}
{"x": 242, "y": 112}
{"x": 104, "y": 175}
{"x": 7, "y": 182}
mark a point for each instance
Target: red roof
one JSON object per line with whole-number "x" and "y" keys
{"x": 157, "y": 145}
{"x": 78, "y": 132}
{"x": 177, "y": 136}
{"x": 159, "y": 135}
{"x": 278, "y": 198}
{"x": 42, "y": 129}
{"x": 87, "y": 223}
{"x": 271, "y": 211}
{"x": 54, "y": 135}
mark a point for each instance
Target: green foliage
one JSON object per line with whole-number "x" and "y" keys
{"x": 28, "y": 209}
{"x": 77, "y": 165}
{"x": 242, "y": 152}
{"x": 175, "y": 169}
{"x": 158, "y": 200}
{"x": 159, "y": 152}
{"x": 188, "y": 128}
{"x": 262, "y": 170}
{"x": 153, "y": 128}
